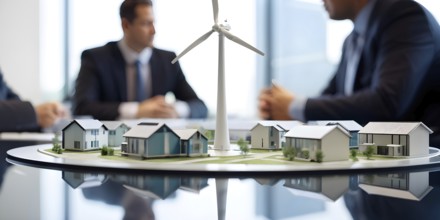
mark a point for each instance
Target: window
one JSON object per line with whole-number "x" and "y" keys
{"x": 199, "y": 65}
{"x": 305, "y": 45}
{"x": 296, "y": 35}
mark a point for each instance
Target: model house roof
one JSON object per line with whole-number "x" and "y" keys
{"x": 392, "y": 127}
{"x": 86, "y": 124}
{"x": 113, "y": 125}
{"x": 279, "y": 125}
{"x": 395, "y": 193}
{"x": 313, "y": 131}
{"x": 143, "y": 130}
{"x": 349, "y": 125}
{"x": 186, "y": 134}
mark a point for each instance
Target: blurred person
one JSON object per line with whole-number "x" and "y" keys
{"x": 17, "y": 115}
{"x": 389, "y": 69}
{"x": 129, "y": 79}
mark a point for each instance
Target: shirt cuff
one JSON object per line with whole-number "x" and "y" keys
{"x": 297, "y": 107}
{"x": 182, "y": 109}
{"x": 128, "y": 110}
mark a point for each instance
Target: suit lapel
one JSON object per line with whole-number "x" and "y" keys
{"x": 118, "y": 72}
{"x": 156, "y": 77}
{"x": 367, "y": 65}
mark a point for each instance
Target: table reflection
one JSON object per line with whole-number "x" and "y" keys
{"x": 84, "y": 194}
{"x": 398, "y": 191}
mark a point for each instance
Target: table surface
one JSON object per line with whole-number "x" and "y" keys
{"x": 31, "y": 192}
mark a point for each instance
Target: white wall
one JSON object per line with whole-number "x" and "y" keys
{"x": 31, "y": 48}
{"x": 19, "y": 46}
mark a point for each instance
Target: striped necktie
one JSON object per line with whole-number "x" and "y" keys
{"x": 140, "y": 87}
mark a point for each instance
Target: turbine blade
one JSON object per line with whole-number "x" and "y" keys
{"x": 194, "y": 44}
{"x": 215, "y": 10}
{"x": 241, "y": 42}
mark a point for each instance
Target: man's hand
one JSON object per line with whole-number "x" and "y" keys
{"x": 156, "y": 107}
{"x": 279, "y": 102}
{"x": 274, "y": 103}
{"x": 264, "y": 104}
{"x": 49, "y": 113}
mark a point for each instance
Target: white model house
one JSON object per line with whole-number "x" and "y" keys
{"x": 332, "y": 141}
{"x": 83, "y": 180}
{"x": 148, "y": 140}
{"x": 270, "y": 134}
{"x": 192, "y": 142}
{"x": 402, "y": 185}
{"x": 396, "y": 138}
{"x": 84, "y": 135}
{"x": 116, "y": 130}
{"x": 156, "y": 187}
{"x": 351, "y": 126}
{"x": 327, "y": 188}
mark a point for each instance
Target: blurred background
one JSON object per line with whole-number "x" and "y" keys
{"x": 41, "y": 42}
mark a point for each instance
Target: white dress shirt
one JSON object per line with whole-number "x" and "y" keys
{"x": 128, "y": 110}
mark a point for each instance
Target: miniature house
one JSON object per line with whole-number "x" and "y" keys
{"x": 84, "y": 135}
{"x": 396, "y": 138}
{"x": 351, "y": 126}
{"x": 192, "y": 142}
{"x": 238, "y": 129}
{"x": 116, "y": 130}
{"x": 332, "y": 141}
{"x": 83, "y": 180}
{"x": 153, "y": 187}
{"x": 270, "y": 134}
{"x": 149, "y": 140}
{"x": 403, "y": 185}
{"x": 327, "y": 188}
{"x": 193, "y": 184}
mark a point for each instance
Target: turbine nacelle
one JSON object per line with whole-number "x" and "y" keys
{"x": 220, "y": 28}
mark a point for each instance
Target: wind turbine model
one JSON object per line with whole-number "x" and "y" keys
{"x": 221, "y": 140}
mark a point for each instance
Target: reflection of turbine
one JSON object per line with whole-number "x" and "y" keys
{"x": 221, "y": 141}
{"x": 221, "y": 187}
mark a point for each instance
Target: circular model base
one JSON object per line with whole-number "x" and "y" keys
{"x": 41, "y": 156}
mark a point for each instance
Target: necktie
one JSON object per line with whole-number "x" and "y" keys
{"x": 140, "y": 87}
{"x": 353, "y": 54}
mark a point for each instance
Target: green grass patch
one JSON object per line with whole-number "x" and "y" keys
{"x": 262, "y": 151}
{"x": 266, "y": 162}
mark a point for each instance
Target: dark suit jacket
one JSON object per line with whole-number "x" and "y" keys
{"x": 398, "y": 77}
{"x": 15, "y": 115}
{"x": 101, "y": 84}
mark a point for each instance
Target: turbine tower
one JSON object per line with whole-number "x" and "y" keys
{"x": 221, "y": 140}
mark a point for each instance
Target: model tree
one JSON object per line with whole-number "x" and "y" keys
{"x": 319, "y": 156}
{"x": 353, "y": 155}
{"x": 289, "y": 153}
{"x": 209, "y": 134}
{"x": 56, "y": 146}
{"x": 369, "y": 151}
{"x": 244, "y": 147}
{"x": 305, "y": 154}
{"x": 107, "y": 151}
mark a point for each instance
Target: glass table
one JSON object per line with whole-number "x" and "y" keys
{"x": 44, "y": 192}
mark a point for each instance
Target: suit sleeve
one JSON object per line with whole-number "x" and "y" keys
{"x": 405, "y": 51}
{"x": 87, "y": 100}
{"x": 180, "y": 86}
{"x": 15, "y": 115}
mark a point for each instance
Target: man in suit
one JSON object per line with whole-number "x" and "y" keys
{"x": 107, "y": 85}
{"x": 18, "y": 115}
{"x": 389, "y": 69}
